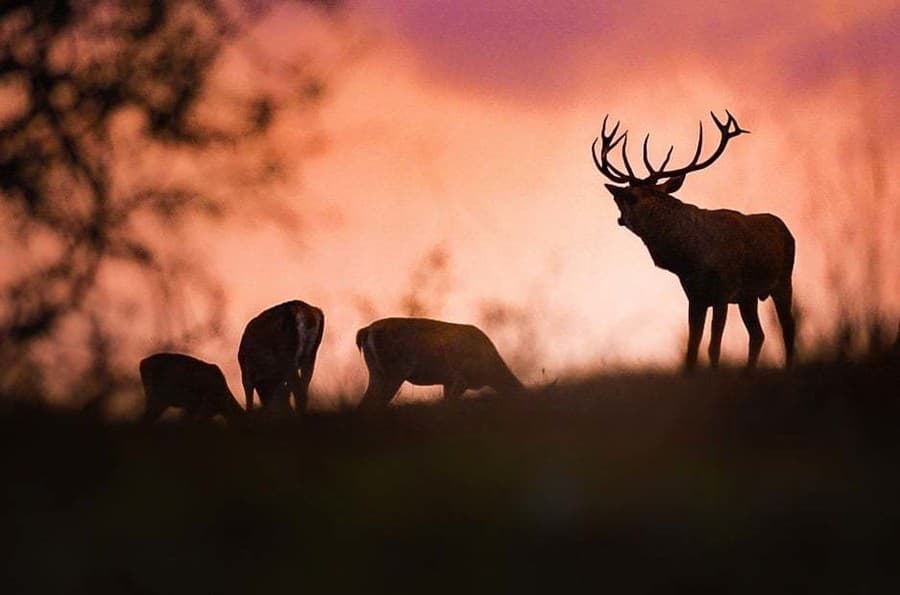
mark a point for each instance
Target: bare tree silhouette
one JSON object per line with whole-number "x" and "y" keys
{"x": 100, "y": 100}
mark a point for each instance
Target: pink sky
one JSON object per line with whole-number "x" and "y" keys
{"x": 467, "y": 125}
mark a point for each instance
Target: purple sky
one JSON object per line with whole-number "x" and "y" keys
{"x": 527, "y": 47}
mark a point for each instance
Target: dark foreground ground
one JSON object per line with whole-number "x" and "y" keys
{"x": 784, "y": 483}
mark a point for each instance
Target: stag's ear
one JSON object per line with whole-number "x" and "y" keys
{"x": 615, "y": 190}
{"x": 672, "y": 184}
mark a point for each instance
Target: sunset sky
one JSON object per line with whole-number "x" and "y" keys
{"x": 465, "y": 127}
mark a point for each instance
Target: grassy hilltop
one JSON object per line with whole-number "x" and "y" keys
{"x": 770, "y": 482}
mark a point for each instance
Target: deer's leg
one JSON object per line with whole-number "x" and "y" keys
{"x": 271, "y": 390}
{"x": 696, "y": 320}
{"x": 750, "y": 316}
{"x": 247, "y": 382}
{"x": 783, "y": 297}
{"x": 720, "y": 313}
{"x": 152, "y": 411}
{"x": 202, "y": 411}
{"x": 455, "y": 389}
{"x": 300, "y": 390}
{"x": 380, "y": 391}
{"x": 299, "y": 384}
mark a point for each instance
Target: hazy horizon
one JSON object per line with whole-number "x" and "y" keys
{"x": 465, "y": 129}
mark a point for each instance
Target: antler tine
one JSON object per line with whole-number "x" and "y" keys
{"x": 723, "y": 127}
{"x": 612, "y": 134}
{"x": 625, "y": 157}
{"x": 668, "y": 156}
{"x": 649, "y": 165}
{"x": 609, "y": 142}
{"x": 606, "y": 168}
{"x": 699, "y": 145}
{"x": 727, "y": 130}
{"x": 737, "y": 127}
{"x": 609, "y": 147}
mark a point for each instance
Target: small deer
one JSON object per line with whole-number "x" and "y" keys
{"x": 275, "y": 345}
{"x": 178, "y": 380}
{"x": 428, "y": 352}
{"x": 720, "y": 256}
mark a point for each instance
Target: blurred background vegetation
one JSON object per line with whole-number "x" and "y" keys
{"x": 123, "y": 123}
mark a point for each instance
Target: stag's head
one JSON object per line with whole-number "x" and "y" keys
{"x": 638, "y": 192}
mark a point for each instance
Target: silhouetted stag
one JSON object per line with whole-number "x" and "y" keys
{"x": 720, "y": 256}
{"x": 428, "y": 352}
{"x": 275, "y": 345}
{"x": 178, "y": 380}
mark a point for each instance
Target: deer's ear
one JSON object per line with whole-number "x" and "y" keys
{"x": 615, "y": 190}
{"x": 672, "y": 185}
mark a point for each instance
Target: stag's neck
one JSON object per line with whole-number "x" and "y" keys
{"x": 671, "y": 230}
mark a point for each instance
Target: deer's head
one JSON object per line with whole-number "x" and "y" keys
{"x": 637, "y": 193}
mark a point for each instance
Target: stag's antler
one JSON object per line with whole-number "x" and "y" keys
{"x": 727, "y": 130}
{"x": 606, "y": 168}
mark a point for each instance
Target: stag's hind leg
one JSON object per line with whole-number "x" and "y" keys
{"x": 696, "y": 320}
{"x": 783, "y": 298}
{"x": 720, "y": 314}
{"x": 750, "y": 316}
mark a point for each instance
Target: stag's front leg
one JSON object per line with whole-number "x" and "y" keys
{"x": 720, "y": 313}
{"x": 750, "y": 315}
{"x": 696, "y": 320}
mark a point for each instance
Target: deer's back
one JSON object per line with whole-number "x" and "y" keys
{"x": 426, "y": 351}
{"x": 278, "y": 336}
{"x": 182, "y": 380}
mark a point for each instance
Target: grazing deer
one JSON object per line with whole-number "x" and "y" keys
{"x": 720, "y": 256}
{"x": 178, "y": 380}
{"x": 276, "y": 344}
{"x": 428, "y": 352}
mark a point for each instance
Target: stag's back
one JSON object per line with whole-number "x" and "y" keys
{"x": 760, "y": 248}
{"x": 770, "y": 250}
{"x": 750, "y": 254}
